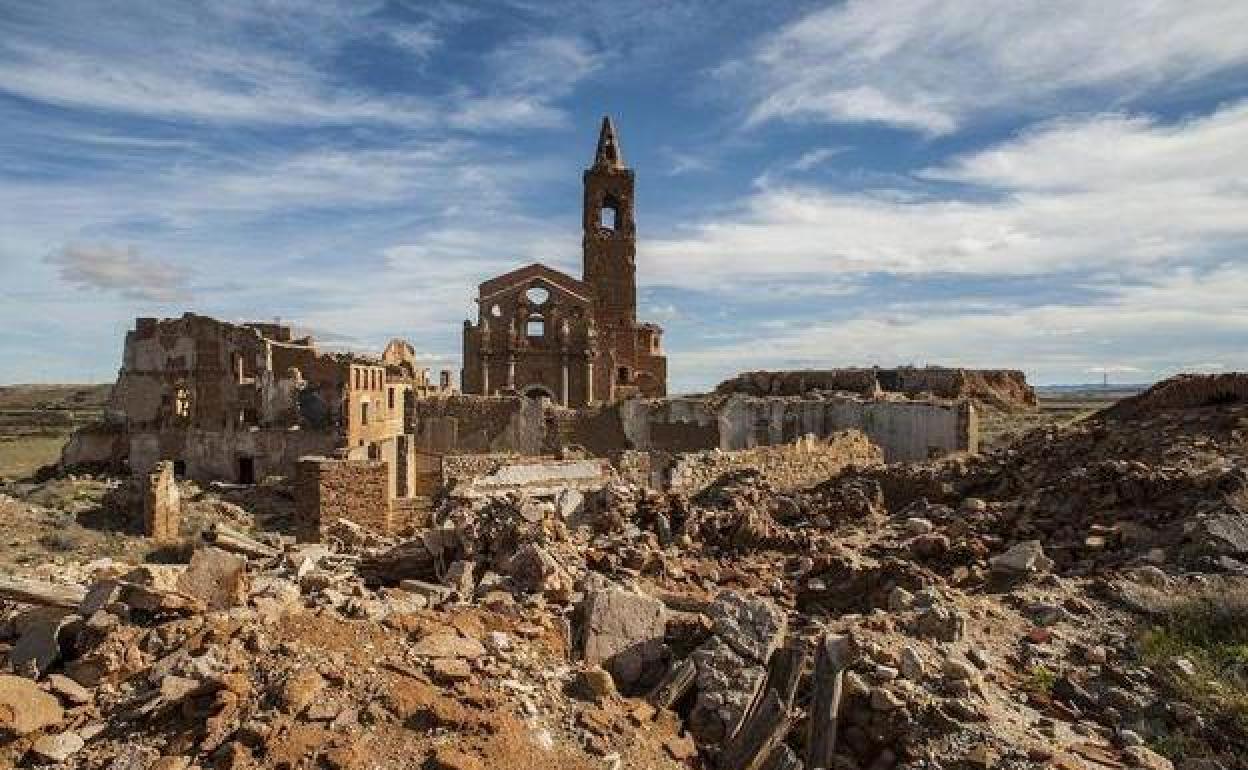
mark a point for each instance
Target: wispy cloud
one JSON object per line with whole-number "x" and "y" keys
{"x": 199, "y": 62}
{"x": 1114, "y": 192}
{"x": 526, "y": 77}
{"x": 929, "y": 65}
{"x": 123, "y": 270}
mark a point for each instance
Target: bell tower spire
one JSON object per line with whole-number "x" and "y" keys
{"x": 608, "y": 155}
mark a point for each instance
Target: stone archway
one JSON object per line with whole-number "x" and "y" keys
{"x": 537, "y": 391}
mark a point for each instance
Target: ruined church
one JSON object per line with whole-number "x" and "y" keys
{"x": 543, "y": 333}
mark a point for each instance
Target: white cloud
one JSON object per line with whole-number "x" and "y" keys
{"x": 1104, "y": 193}
{"x": 1152, "y": 329}
{"x": 123, "y": 270}
{"x": 929, "y": 65}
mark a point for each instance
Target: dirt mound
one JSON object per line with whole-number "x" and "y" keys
{"x": 1183, "y": 391}
{"x": 1003, "y": 389}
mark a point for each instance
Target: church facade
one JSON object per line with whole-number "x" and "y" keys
{"x": 577, "y": 341}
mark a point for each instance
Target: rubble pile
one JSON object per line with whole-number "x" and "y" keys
{"x": 981, "y": 612}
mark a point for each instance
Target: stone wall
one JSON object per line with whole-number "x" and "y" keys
{"x": 327, "y": 489}
{"x": 801, "y": 464}
{"x": 905, "y": 429}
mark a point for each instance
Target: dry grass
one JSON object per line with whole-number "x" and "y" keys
{"x": 1209, "y": 630}
{"x": 22, "y": 456}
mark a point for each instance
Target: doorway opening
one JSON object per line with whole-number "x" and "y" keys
{"x": 246, "y": 470}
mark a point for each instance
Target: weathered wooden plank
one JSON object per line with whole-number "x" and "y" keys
{"x": 674, "y": 685}
{"x": 753, "y": 743}
{"x": 831, "y": 657}
{"x": 38, "y": 592}
{"x": 782, "y": 758}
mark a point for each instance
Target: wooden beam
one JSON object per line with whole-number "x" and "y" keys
{"x": 674, "y": 685}
{"x": 831, "y": 657}
{"x": 38, "y": 592}
{"x": 782, "y": 758}
{"x": 755, "y": 740}
{"x": 232, "y": 540}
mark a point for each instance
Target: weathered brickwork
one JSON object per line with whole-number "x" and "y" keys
{"x": 543, "y": 333}
{"x": 801, "y": 464}
{"x": 239, "y": 402}
{"x": 327, "y": 489}
{"x": 162, "y": 504}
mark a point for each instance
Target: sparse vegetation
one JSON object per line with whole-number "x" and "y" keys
{"x": 1199, "y": 648}
{"x": 1040, "y": 680}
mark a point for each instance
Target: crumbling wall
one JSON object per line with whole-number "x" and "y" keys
{"x": 162, "y": 505}
{"x": 99, "y": 445}
{"x": 330, "y": 488}
{"x": 209, "y": 455}
{"x": 906, "y": 431}
{"x": 460, "y": 424}
{"x": 1004, "y": 389}
{"x": 801, "y": 464}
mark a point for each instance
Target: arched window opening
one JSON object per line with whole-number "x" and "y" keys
{"x": 537, "y": 295}
{"x": 535, "y": 327}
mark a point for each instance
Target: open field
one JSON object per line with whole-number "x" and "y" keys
{"x": 1059, "y": 405}
{"x": 35, "y": 421}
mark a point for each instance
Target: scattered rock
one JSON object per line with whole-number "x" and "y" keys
{"x": 24, "y": 708}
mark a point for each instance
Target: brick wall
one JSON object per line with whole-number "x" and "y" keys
{"x": 328, "y": 489}
{"x": 162, "y": 505}
{"x": 793, "y": 466}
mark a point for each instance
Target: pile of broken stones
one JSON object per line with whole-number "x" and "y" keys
{"x": 988, "y": 623}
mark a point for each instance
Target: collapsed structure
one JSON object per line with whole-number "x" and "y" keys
{"x": 556, "y": 369}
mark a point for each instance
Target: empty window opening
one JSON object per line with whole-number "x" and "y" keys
{"x": 246, "y": 470}
{"x": 622, "y": 375}
{"x": 179, "y": 469}
{"x": 496, "y": 311}
{"x": 535, "y": 327}
{"x": 390, "y": 400}
{"x": 364, "y": 413}
{"x": 182, "y": 401}
{"x": 374, "y": 451}
{"x": 537, "y": 295}
{"x": 609, "y": 215}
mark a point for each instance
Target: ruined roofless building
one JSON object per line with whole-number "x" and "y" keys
{"x": 543, "y": 333}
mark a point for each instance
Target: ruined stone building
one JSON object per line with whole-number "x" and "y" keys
{"x": 543, "y": 333}
{"x": 239, "y": 402}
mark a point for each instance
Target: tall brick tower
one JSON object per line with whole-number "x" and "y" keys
{"x": 610, "y": 238}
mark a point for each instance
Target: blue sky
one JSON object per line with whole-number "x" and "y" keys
{"x": 1054, "y": 185}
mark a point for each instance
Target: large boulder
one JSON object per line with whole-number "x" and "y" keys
{"x": 623, "y": 633}
{"x": 216, "y": 577}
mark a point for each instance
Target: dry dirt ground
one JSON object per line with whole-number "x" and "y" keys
{"x": 1073, "y": 600}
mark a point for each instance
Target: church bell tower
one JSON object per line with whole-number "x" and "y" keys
{"x": 610, "y": 236}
